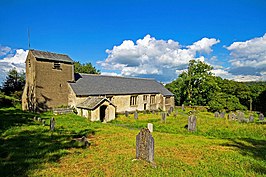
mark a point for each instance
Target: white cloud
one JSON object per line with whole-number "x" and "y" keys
{"x": 149, "y": 56}
{"x": 17, "y": 60}
{"x": 249, "y": 53}
{"x": 4, "y": 50}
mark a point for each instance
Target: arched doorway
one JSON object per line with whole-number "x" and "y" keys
{"x": 102, "y": 113}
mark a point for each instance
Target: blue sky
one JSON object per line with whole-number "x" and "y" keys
{"x": 233, "y": 31}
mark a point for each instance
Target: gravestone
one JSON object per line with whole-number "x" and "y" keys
{"x": 145, "y": 145}
{"x": 192, "y": 120}
{"x": 240, "y": 116}
{"x": 222, "y": 114}
{"x": 171, "y": 109}
{"x": 233, "y": 116}
{"x": 176, "y": 113}
{"x": 229, "y": 116}
{"x": 39, "y": 119}
{"x": 85, "y": 141}
{"x": 34, "y": 118}
{"x": 216, "y": 114}
{"x": 43, "y": 122}
{"x": 150, "y": 127}
{"x": 251, "y": 118}
{"x": 183, "y": 107}
{"x": 126, "y": 113}
{"x": 52, "y": 124}
{"x": 135, "y": 115}
{"x": 153, "y": 112}
{"x": 163, "y": 117}
{"x": 261, "y": 116}
{"x": 169, "y": 112}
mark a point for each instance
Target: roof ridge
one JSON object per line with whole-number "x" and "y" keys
{"x": 48, "y": 52}
{"x": 122, "y": 77}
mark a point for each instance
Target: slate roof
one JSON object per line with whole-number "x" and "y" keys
{"x": 90, "y": 84}
{"x": 51, "y": 56}
{"x": 92, "y": 102}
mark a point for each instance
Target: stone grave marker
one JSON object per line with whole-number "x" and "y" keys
{"x": 183, "y": 107}
{"x": 192, "y": 120}
{"x": 233, "y": 116}
{"x": 171, "y": 109}
{"x": 216, "y": 114}
{"x": 251, "y": 118}
{"x": 136, "y": 115}
{"x": 222, "y": 114}
{"x": 150, "y": 127}
{"x": 126, "y": 113}
{"x": 163, "y": 117}
{"x": 240, "y": 116}
{"x": 34, "y": 118}
{"x": 261, "y": 116}
{"x": 39, "y": 119}
{"x": 43, "y": 122}
{"x": 85, "y": 141}
{"x": 169, "y": 112}
{"x": 229, "y": 116}
{"x": 52, "y": 124}
{"x": 145, "y": 145}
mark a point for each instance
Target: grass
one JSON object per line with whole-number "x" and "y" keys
{"x": 218, "y": 148}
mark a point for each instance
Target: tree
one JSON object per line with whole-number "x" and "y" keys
{"x": 85, "y": 68}
{"x": 14, "y": 83}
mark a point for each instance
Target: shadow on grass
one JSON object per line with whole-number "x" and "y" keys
{"x": 25, "y": 144}
{"x": 253, "y": 148}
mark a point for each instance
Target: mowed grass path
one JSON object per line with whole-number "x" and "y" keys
{"x": 218, "y": 148}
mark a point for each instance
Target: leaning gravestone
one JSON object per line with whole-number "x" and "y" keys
{"x": 216, "y": 114}
{"x": 52, "y": 124}
{"x": 261, "y": 116}
{"x": 192, "y": 120}
{"x": 145, "y": 145}
{"x": 126, "y": 113}
{"x": 150, "y": 127}
{"x": 251, "y": 118}
{"x": 135, "y": 115}
{"x": 163, "y": 117}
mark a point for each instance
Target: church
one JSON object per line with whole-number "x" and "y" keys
{"x": 52, "y": 83}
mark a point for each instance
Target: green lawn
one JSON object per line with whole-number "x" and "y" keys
{"x": 218, "y": 148}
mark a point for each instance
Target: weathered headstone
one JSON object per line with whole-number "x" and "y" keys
{"x": 240, "y": 116}
{"x": 216, "y": 114}
{"x": 52, "y": 124}
{"x": 85, "y": 141}
{"x": 145, "y": 145}
{"x": 176, "y": 113}
{"x": 222, "y": 114}
{"x": 171, "y": 109}
{"x": 169, "y": 112}
{"x": 136, "y": 115}
{"x": 43, "y": 122}
{"x": 34, "y": 118}
{"x": 192, "y": 120}
{"x": 233, "y": 116}
{"x": 150, "y": 127}
{"x": 261, "y": 116}
{"x": 163, "y": 117}
{"x": 251, "y": 118}
{"x": 126, "y": 113}
{"x": 183, "y": 107}
{"x": 39, "y": 119}
{"x": 153, "y": 112}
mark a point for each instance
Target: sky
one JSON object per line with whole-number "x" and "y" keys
{"x": 139, "y": 38}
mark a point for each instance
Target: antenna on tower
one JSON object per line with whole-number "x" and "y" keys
{"x": 29, "y": 38}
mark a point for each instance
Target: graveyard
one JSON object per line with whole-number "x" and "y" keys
{"x": 214, "y": 144}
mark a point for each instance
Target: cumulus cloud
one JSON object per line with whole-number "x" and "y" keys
{"x": 10, "y": 61}
{"x": 155, "y": 58}
{"x": 4, "y": 50}
{"x": 248, "y": 59}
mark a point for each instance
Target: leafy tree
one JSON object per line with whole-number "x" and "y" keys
{"x": 14, "y": 83}
{"x": 85, "y": 68}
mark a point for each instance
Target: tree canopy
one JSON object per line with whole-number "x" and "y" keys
{"x": 85, "y": 68}
{"x": 198, "y": 86}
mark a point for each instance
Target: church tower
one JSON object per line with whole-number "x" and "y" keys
{"x": 47, "y": 76}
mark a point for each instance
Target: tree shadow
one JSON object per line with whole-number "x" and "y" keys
{"x": 253, "y": 148}
{"x": 23, "y": 149}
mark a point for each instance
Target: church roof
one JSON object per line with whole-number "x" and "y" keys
{"x": 92, "y": 84}
{"x": 92, "y": 103}
{"x": 51, "y": 56}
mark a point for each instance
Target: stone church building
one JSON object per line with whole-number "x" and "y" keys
{"x": 51, "y": 83}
